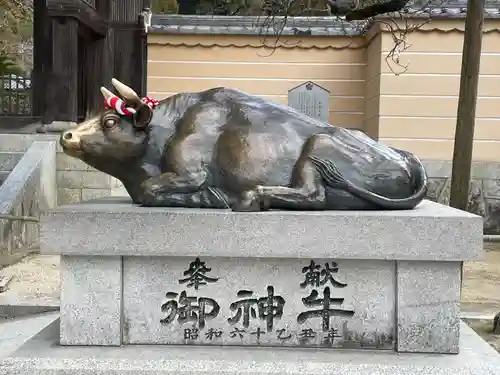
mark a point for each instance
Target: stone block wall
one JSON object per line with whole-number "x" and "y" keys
{"x": 76, "y": 181}
{"x": 8, "y": 160}
{"x": 484, "y": 190}
{"x": 117, "y": 189}
{"x": 27, "y": 190}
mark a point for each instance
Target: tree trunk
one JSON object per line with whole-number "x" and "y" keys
{"x": 464, "y": 133}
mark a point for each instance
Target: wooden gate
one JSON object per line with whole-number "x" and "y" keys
{"x": 79, "y": 46}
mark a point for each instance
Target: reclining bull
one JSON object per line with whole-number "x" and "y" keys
{"x": 222, "y": 148}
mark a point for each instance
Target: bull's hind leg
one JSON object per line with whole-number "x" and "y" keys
{"x": 305, "y": 192}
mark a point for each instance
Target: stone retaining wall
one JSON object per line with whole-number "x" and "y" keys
{"x": 484, "y": 191}
{"x": 8, "y": 160}
{"x": 76, "y": 181}
{"x": 27, "y": 190}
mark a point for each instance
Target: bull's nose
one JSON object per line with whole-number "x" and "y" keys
{"x": 69, "y": 140}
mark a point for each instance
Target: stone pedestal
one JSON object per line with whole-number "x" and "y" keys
{"x": 338, "y": 279}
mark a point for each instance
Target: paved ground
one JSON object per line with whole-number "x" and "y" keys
{"x": 481, "y": 292}
{"x": 35, "y": 282}
{"x": 15, "y": 332}
{"x": 484, "y": 329}
{"x": 481, "y": 285}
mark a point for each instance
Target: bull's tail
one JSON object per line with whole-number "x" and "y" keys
{"x": 334, "y": 178}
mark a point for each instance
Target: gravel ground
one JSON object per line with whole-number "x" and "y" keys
{"x": 35, "y": 281}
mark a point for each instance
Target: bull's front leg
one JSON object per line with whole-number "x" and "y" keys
{"x": 191, "y": 190}
{"x": 172, "y": 183}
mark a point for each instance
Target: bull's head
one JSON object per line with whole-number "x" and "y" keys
{"x": 115, "y": 136}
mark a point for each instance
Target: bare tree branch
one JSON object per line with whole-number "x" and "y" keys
{"x": 397, "y": 19}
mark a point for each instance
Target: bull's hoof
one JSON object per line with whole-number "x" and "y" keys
{"x": 246, "y": 206}
{"x": 151, "y": 187}
{"x": 265, "y": 205}
{"x": 144, "y": 202}
{"x": 147, "y": 199}
{"x": 249, "y": 202}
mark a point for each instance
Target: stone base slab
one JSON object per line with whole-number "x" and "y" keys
{"x": 114, "y": 226}
{"x": 42, "y": 356}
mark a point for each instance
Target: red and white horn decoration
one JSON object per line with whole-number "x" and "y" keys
{"x": 111, "y": 101}
{"x": 150, "y": 102}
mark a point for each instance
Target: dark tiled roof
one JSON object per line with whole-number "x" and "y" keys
{"x": 456, "y": 3}
{"x": 450, "y": 8}
{"x": 238, "y": 25}
{"x": 307, "y": 26}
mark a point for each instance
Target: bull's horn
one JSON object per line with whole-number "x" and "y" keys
{"x": 126, "y": 92}
{"x": 106, "y": 93}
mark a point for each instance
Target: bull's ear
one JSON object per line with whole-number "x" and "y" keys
{"x": 143, "y": 117}
{"x": 143, "y": 113}
{"x": 129, "y": 95}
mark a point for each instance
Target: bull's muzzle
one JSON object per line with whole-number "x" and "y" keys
{"x": 67, "y": 135}
{"x": 70, "y": 141}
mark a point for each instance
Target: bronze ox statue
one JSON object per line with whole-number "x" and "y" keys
{"x": 223, "y": 148}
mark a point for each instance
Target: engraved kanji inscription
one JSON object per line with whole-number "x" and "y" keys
{"x": 212, "y": 334}
{"x": 189, "y": 309}
{"x": 315, "y": 276}
{"x": 237, "y": 332}
{"x": 312, "y": 275}
{"x": 258, "y": 332}
{"x": 327, "y": 275}
{"x": 281, "y": 334}
{"x": 326, "y": 311}
{"x": 306, "y": 334}
{"x": 196, "y": 275}
{"x": 266, "y": 308}
{"x": 247, "y": 307}
{"x": 310, "y": 99}
{"x": 331, "y": 336}
{"x": 191, "y": 333}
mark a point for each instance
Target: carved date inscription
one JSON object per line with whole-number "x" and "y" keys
{"x": 254, "y": 316}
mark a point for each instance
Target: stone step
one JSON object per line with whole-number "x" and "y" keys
{"x": 43, "y": 356}
{"x": 14, "y": 332}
